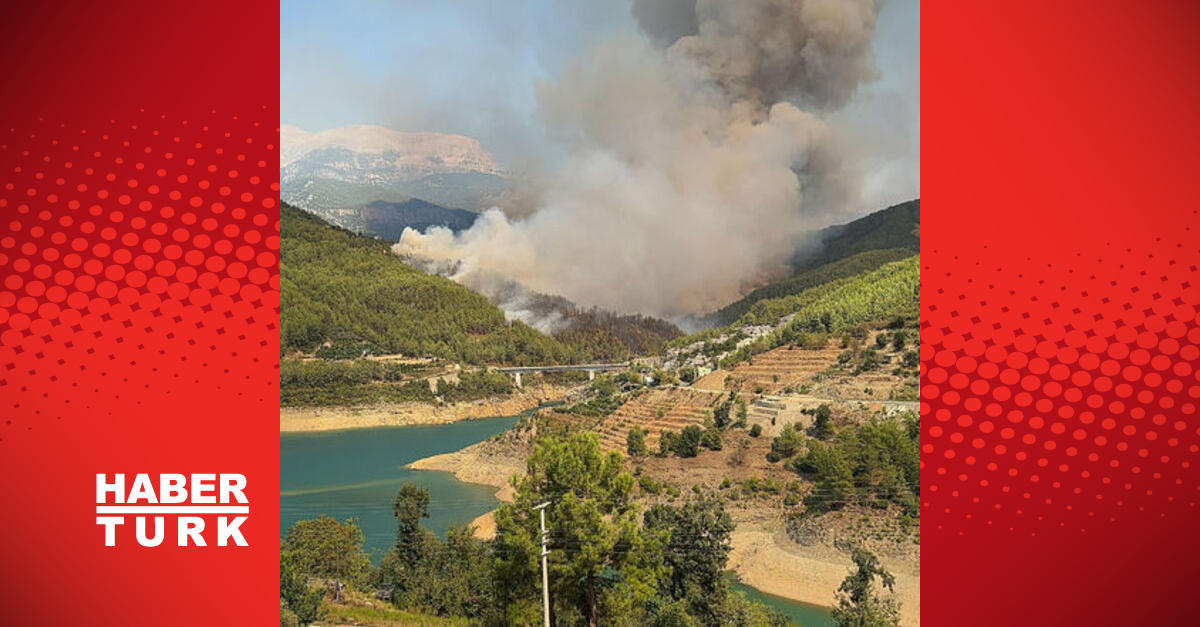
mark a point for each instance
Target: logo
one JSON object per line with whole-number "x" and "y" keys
{"x": 192, "y": 501}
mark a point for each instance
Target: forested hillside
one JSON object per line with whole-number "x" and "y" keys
{"x": 846, "y": 250}
{"x": 354, "y": 294}
{"x": 807, "y": 279}
{"x": 889, "y": 293}
{"x": 344, "y": 294}
{"x": 897, "y": 226}
{"x": 387, "y": 220}
{"x": 888, "y": 296}
{"x": 891, "y": 289}
{"x": 605, "y": 336}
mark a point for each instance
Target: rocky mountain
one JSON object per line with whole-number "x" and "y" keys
{"x": 337, "y": 172}
{"x": 375, "y": 153}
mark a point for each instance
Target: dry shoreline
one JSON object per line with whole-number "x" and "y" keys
{"x": 475, "y": 464}
{"x": 765, "y": 559}
{"x": 313, "y": 419}
{"x": 762, "y": 556}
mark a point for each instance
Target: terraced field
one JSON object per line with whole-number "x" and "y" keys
{"x": 773, "y": 413}
{"x": 669, "y": 409}
{"x": 789, "y": 370}
{"x": 777, "y": 386}
{"x": 780, "y": 368}
{"x": 871, "y": 386}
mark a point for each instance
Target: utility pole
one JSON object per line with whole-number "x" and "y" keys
{"x": 541, "y": 509}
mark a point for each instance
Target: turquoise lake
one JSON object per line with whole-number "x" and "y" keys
{"x": 355, "y": 473}
{"x": 802, "y": 614}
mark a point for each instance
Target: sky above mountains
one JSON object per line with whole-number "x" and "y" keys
{"x": 473, "y": 67}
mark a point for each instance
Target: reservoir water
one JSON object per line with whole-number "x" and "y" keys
{"x": 355, "y": 473}
{"x": 802, "y": 614}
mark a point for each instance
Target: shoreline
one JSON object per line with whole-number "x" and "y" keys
{"x": 760, "y": 558}
{"x": 766, "y": 562}
{"x": 333, "y": 418}
{"x": 468, "y": 465}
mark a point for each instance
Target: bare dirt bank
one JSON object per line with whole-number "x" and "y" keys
{"x": 296, "y": 419}
{"x": 489, "y": 463}
{"x": 764, "y": 558}
{"x": 481, "y": 463}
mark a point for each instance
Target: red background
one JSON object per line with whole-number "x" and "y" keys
{"x": 138, "y": 311}
{"x": 1059, "y": 301}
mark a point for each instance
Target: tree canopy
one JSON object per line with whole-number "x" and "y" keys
{"x": 601, "y": 563}
{"x": 859, "y": 605}
{"x": 325, "y": 548}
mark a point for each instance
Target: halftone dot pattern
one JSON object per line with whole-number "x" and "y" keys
{"x": 1060, "y": 398}
{"x": 139, "y": 254}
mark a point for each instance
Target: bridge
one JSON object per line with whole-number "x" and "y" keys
{"x": 591, "y": 369}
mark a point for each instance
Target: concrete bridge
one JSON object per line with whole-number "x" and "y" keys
{"x": 591, "y": 369}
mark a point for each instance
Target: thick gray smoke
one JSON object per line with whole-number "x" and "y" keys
{"x": 692, "y": 170}
{"x": 666, "y": 20}
{"x": 813, "y": 52}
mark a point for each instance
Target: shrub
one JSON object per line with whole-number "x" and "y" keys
{"x": 711, "y": 439}
{"x": 666, "y": 443}
{"x": 688, "y": 442}
{"x": 635, "y": 442}
{"x": 650, "y": 486}
{"x": 822, "y": 428}
{"x": 787, "y": 442}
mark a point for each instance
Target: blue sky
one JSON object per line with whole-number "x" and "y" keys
{"x": 471, "y": 66}
{"x": 462, "y": 66}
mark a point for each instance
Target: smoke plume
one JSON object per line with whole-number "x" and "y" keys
{"x": 695, "y": 159}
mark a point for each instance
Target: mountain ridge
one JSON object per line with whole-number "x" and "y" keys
{"x": 337, "y": 172}
{"x": 847, "y": 249}
{"x": 437, "y": 152}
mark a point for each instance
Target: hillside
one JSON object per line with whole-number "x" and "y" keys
{"x": 894, "y": 227}
{"x": 849, "y": 249}
{"x": 606, "y": 336}
{"x": 375, "y": 211}
{"x": 806, "y": 279}
{"x": 347, "y": 294}
{"x": 890, "y": 289}
{"x": 886, "y": 296}
{"x": 351, "y": 293}
{"x": 388, "y": 220}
